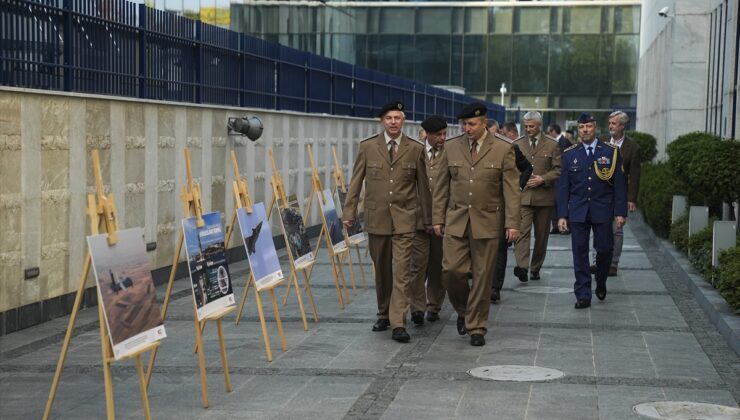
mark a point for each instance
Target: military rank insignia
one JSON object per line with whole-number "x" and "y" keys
{"x": 604, "y": 160}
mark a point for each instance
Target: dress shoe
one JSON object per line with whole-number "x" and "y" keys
{"x": 400, "y": 335}
{"x": 535, "y": 275}
{"x": 432, "y": 316}
{"x": 521, "y": 274}
{"x": 593, "y": 268}
{"x": 461, "y": 325}
{"x": 583, "y": 303}
{"x": 612, "y": 271}
{"x": 601, "y": 292}
{"x": 381, "y": 325}
{"x": 417, "y": 317}
{"x": 495, "y": 296}
{"x": 477, "y": 340}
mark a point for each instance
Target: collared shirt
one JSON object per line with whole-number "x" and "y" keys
{"x": 592, "y": 146}
{"x": 480, "y": 142}
{"x": 617, "y": 143}
{"x": 428, "y": 147}
{"x": 535, "y": 138}
{"x": 388, "y": 140}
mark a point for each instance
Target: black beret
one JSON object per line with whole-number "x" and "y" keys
{"x": 433, "y": 124}
{"x": 476, "y": 109}
{"x": 586, "y": 118}
{"x": 392, "y": 106}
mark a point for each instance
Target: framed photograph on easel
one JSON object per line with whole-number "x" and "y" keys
{"x": 295, "y": 232}
{"x": 333, "y": 222}
{"x": 355, "y": 234}
{"x": 261, "y": 253}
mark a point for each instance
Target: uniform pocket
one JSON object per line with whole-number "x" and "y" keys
{"x": 374, "y": 169}
{"x": 409, "y": 171}
{"x": 454, "y": 167}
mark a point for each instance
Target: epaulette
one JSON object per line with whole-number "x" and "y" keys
{"x": 504, "y": 138}
{"x": 571, "y": 147}
{"x": 369, "y": 138}
{"x": 415, "y": 140}
{"x": 520, "y": 137}
{"x": 550, "y": 138}
{"x": 461, "y": 136}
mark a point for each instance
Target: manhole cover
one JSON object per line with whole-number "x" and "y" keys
{"x": 686, "y": 410}
{"x": 543, "y": 289}
{"x": 515, "y": 373}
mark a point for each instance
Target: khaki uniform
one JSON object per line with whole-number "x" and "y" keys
{"x": 393, "y": 192}
{"x": 427, "y": 255}
{"x": 469, "y": 199}
{"x": 538, "y": 203}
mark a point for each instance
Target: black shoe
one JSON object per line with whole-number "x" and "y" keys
{"x": 583, "y": 303}
{"x": 417, "y": 317}
{"x": 521, "y": 274}
{"x": 381, "y": 325}
{"x": 477, "y": 340}
{"x": 495, "y": 296}
{"x": 432, "y": 316}
{"x": 601, "y": 292}
{"x": 593, "y": 269}
{"x": 400, "y": 335}
{"x": 535, "y": 275}
{"x": 461, "y": 325}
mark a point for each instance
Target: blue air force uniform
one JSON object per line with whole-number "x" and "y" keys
{"x": 589, "y": 202}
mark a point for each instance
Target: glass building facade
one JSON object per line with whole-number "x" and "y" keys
{"x": 561, "y": 57}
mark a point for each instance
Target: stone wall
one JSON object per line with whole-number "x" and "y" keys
{"x": 46, "y": 173}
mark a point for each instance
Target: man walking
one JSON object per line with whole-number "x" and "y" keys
{"x": 478, "y": 181}
{"x": 538, "y": 196}
{"x": 592, "y": 193}
{"x": 391, "y": 165}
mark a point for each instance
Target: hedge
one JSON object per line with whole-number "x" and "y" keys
{"x": 647, "y": 143}
{"x": 728, "y": 277}
{"x": 679, "y": 235}
{"x": 657, "y": 188}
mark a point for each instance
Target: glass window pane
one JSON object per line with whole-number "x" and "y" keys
{"x": 394, "y": 54}
{"x": 474, "y": 63}
{"x": 434, "y": 20}
{"x": 476, "y": 20}
{"x": 432, "y": 59}
{"x": 529, "y": 61}
{"x": 395, "y": 20}
{"x": 502, "y": 20}
{"x": 627, "y": 19}
{"x": 532, "y": 20}
{"x": 625, "y": 65}
{"x": 576, "y": 64}
{"x": 582, "y": 20}
{"x": 499, "y": 62}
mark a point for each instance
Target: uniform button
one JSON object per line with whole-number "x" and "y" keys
{"x": 472, "y": 169}
{"x": 471, "y": 181}
{"x": 390, "y": 204}
{"x": 589, "y": 199}
{"x": 589, "y": 178}
{"x": 391, "y": 168}
{"x": 470, "y": 205}
{"x": 391, "y": 181}
{"x": 589, "y": 188}
{"x": 470, "y": 193}
{"x": 390, "y": 192}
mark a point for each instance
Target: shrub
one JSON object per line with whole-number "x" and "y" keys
{"x": 728, "y": 277}
{"x": 679, "y": 235}
{"x": 657, "y": 188}
{"x": 647, "y": 143}
{"x": 682, "y": 150}
{"x": 712, "y": 171}
{"x": 700, "y": 250}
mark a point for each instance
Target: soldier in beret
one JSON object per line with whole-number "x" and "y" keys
{"x": 592, "y": 192}
{"x": 478, "y": 180}
{"x": 427, "y": 259}
{"x": 392, "y": 167}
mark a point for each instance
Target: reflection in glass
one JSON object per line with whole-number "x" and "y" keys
{"x": 529, "y": 61}
{"x": 532, "y": 20}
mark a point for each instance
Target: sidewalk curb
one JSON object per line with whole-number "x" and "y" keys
{"x": 713, "y": 304}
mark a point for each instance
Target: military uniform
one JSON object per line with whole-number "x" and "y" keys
{"x": 537, "y": 202}
{"x": 470, "y": 196}
{"x": 590, "y": 203}
{"x": 394, "y": 189}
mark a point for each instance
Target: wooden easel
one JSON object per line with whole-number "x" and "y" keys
{"x": 336, "y": 259}
{"x": 101, "y": 209}
{"x": 193, "y": 207}
{"x": 242, "y": 200}
{"x": 340, "y": 185}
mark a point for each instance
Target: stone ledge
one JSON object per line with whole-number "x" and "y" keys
{"x": 713, "y": 304}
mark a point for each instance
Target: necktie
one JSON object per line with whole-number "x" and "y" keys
{"x": 590, "y": 151}
{"x": 533, "y": 141}
{"x": 474, "y": 150}
{"x": 392, "y": 149}
{"x": 433, "y": 154}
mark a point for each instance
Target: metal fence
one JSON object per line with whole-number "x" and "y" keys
{"x": 115, "y": 47}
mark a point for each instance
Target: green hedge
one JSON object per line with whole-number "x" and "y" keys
{"x": 647, "y": 143}
{"x": 657, "y": 187}
{"x": 679, "y": 235}
{"x": 728, "y": 277}
{"x": 700, "y": 251}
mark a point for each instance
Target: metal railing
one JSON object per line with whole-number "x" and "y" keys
{"x": 115, "y": 47}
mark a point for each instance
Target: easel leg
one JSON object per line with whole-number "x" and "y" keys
{"x": 244, "y": 299}
{"x": 294, "y": 277}
{"x": 166, "y": 302}
{"x": 230, "y": 230}
{"x": 279, "y": 323}
{"x": 201, "y": 360}
{"x": 224, "y": 357}
{"x": 309, "y": 292}
{"x": 351, "y": 272}
{"x": 316, "y": 251}
{"x": 110, "y": 408}
{"x": 342, "y": 281}
{"x": 287, "y": 293}
{"x": 142, "y": 388}
{"x": 67, "y": 337}
{"x": 336, "y": 282}
{"x": 362, "y": 266}
{"x": 265, "y": 337}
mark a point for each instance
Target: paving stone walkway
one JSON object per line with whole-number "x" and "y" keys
{"x": 649, "y": 341}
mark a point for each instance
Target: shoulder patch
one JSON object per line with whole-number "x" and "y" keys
{"x": 504, "y": 138}
{"x": 369, "y": 138}
{"x": 571, "y": 147}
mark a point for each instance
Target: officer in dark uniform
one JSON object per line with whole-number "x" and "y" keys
{"x": 592, "y": 192}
